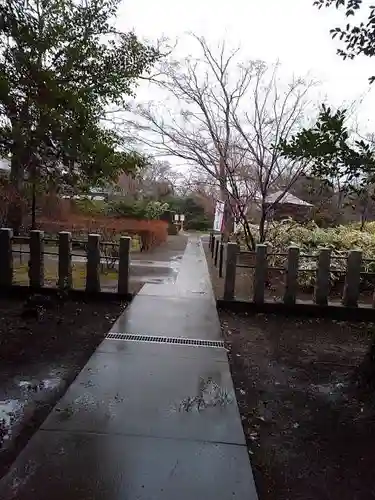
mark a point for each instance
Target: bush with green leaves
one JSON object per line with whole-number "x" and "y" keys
{"x": 126, "y": 208}
{"x": 86, "y": 206}
{"x": 154, "y": 209}
{"x": 310, "y": 239}
{"x": 137, "y": 209}
{"x": 199, "y": 223}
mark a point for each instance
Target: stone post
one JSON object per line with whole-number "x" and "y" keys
{"x": 36, "y": 262}
{"x": 221, "y": 259}
{"x": 352, "y": 279}
{"x": 217, "y": 243}
{"x": 260, "y": 274}
{"x": 323, "y": 277}
{"x": 210, "y": 241}
{"x": 213, "y": 245}
{"x": 65, "y": 260}
{"x": 93, "y": 263}
{"x": 124, "y": 265}
{"x": 6, "y": 257}
{"x": 291, "y": 285}
{"x": 230, "y": 271}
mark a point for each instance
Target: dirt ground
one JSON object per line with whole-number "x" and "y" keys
{"x": 310, "y": 431}
{"x": 43, "y": 346}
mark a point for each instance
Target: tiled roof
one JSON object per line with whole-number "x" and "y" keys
{"x": 286, "y": 198}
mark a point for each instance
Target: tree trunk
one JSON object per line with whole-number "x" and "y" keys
{"x": 228, "y": 217}
{"x": 262, "y": 224}
{"x": 33, "y": 205}
{"x": 15, "y": 215}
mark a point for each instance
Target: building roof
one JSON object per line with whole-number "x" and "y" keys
{"x": 286, "y": 199}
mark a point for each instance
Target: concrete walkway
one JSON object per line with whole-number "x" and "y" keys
{"x": 146, "y": 420}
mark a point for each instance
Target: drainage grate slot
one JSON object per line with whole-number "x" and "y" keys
{"x": 165, "y": 340}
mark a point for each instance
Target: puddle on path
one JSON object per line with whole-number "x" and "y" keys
{"x": 22, "y": 395}
{"x": 10, "y": 414}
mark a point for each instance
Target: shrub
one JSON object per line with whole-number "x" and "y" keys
{"x": 150, "y": 210}
{"x": 126, "y": 208}
{"x": 200, "y": 223}
{"x": 310, "y": 239}
{"x": 154, "y": 209}
{"x": 86, "y": 206}
{"x": 152, "y": 233}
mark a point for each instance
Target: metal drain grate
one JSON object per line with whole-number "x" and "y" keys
{"x": 166, "y": 340}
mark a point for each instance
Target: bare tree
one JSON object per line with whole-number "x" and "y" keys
{"x": 158, "y": 179}
{"x": 196, "y": 126}
{"x": 274, "y": 113}
{"x": 226, "y": 118}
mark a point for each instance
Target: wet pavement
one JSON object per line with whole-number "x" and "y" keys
{"x": 171, "y": 316}
{"x": 155, "y": 271}
{"x": 144, "y": 420}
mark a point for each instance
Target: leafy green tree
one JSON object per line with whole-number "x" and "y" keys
{"x": 62, "y": 63}
{"x": 195, "y": 216}
{"x": 357, "y": 38}
{"x": 335, "y": 157}
{"x": 332, "y": 152}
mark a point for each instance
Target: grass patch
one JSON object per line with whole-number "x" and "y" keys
{"x": 108, "y": 278}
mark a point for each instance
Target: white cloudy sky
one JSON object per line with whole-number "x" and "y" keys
{"x": 292, "y": 31}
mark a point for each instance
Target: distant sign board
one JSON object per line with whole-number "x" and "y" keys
{"x": 219, "y": 216}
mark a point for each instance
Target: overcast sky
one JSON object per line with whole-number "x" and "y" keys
{"x": 292, "y": 31}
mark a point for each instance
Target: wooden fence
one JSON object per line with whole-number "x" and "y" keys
{"x": 92, "y": 253}
{"x": 226, "y": 258}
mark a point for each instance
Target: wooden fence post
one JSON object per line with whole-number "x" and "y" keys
{"x": 6, "y": 257}
{"x": 323, "y": 274}
{"x": 352, "y": 279}
{"x": 93, "y": 263}
{"x": 230, "y": 271}
{"x": 65, "y": 260}
{"x": 260, "y": 274}
{"x": 36, "y": 262}
{"x": 124, "y": 265}
{"x": 291, "y": 284}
